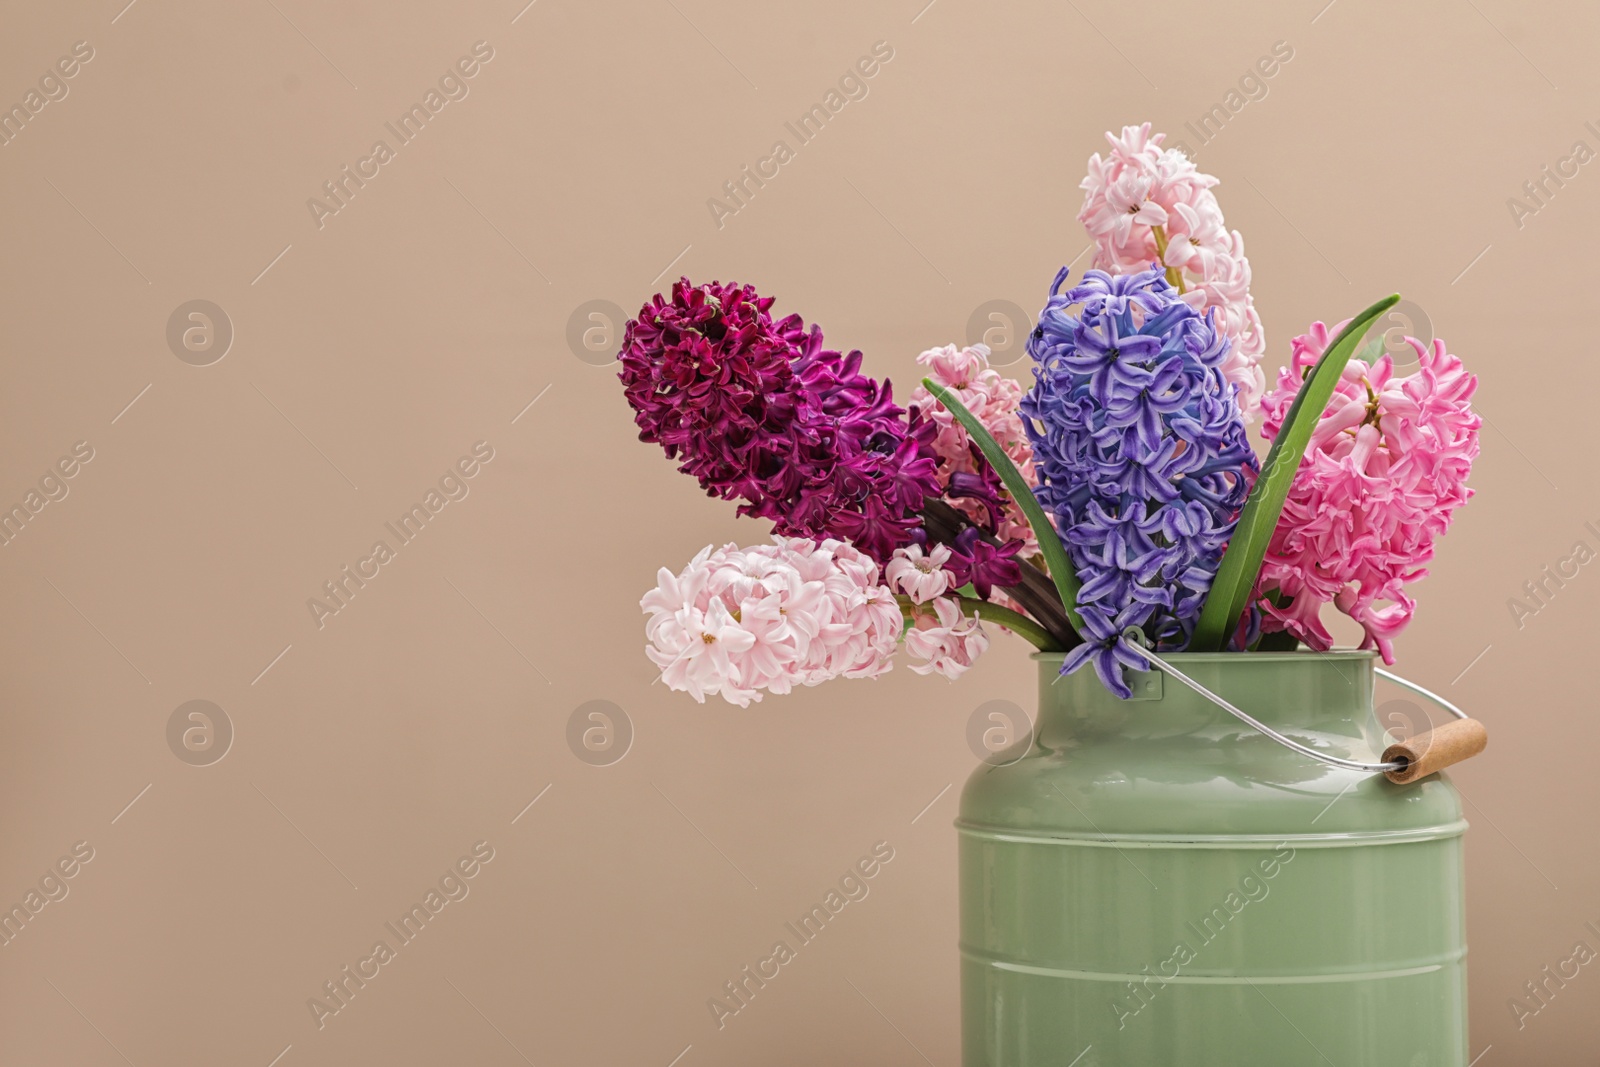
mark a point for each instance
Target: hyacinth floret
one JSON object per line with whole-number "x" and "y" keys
{"x": 758, "y": 411}
{"x": 1143, "y": 201}
{"x": 1141, "y": 454}
{"x": 972, "y": 485}
{"x": 1385, "y": 471}
{"x": 741, "y": 622}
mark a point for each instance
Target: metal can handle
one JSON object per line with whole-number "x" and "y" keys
{"x": 1403, "y": 762}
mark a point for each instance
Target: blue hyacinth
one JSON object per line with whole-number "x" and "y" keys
{"x": 1141, "y": 455}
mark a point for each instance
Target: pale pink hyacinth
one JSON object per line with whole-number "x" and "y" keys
{"x": 992, "y": 398}
{"x": 1141, "y": 185}
{"x": 947, "y": 641}
{"x": 920, "y": 576}
{"x": 742, "y": 621}
{"x": 1386, "y": 468}
{"x": 939, "y": 635}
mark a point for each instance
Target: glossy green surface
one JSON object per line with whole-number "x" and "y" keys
{"x": 1154, "y": 883}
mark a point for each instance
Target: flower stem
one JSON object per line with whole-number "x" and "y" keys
{"x": 1037, "y": 592}
{"x": 1174, "y": 275}
{"x": 1018, "y": 624}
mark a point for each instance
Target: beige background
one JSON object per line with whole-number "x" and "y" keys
{"x": 425, "y": 316}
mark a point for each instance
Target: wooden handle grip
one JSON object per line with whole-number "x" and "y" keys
{"x": 1435, "y": 750}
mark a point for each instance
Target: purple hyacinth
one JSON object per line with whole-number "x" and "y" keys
{"x": 976, "y": 561}
{"x": 759, "y": 411}
{"x": 1141, "y": 454}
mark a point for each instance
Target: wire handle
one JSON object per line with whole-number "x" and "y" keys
{"x": 1403, "y": 762}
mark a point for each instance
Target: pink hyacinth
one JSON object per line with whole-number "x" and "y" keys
{"x": 945, "y": 640}
{"x": 1386, "y": 468}
{"x": 920, "y": 576}
{"x": 1140, "y": 187}
{"x": 740, "y": 621}
{"x": 992, "y": 398}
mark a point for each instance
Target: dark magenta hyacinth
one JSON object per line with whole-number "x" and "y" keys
{"x": 758, "y": 411}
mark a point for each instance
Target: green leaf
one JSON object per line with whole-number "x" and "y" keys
{"x": 1230, "y": 592}
{"x": 1055, "y": 556}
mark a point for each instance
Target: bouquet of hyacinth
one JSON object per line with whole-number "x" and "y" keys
{"x": 1116, "y": 506}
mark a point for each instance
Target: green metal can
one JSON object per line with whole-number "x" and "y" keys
{"x": 1151, "y": 883}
